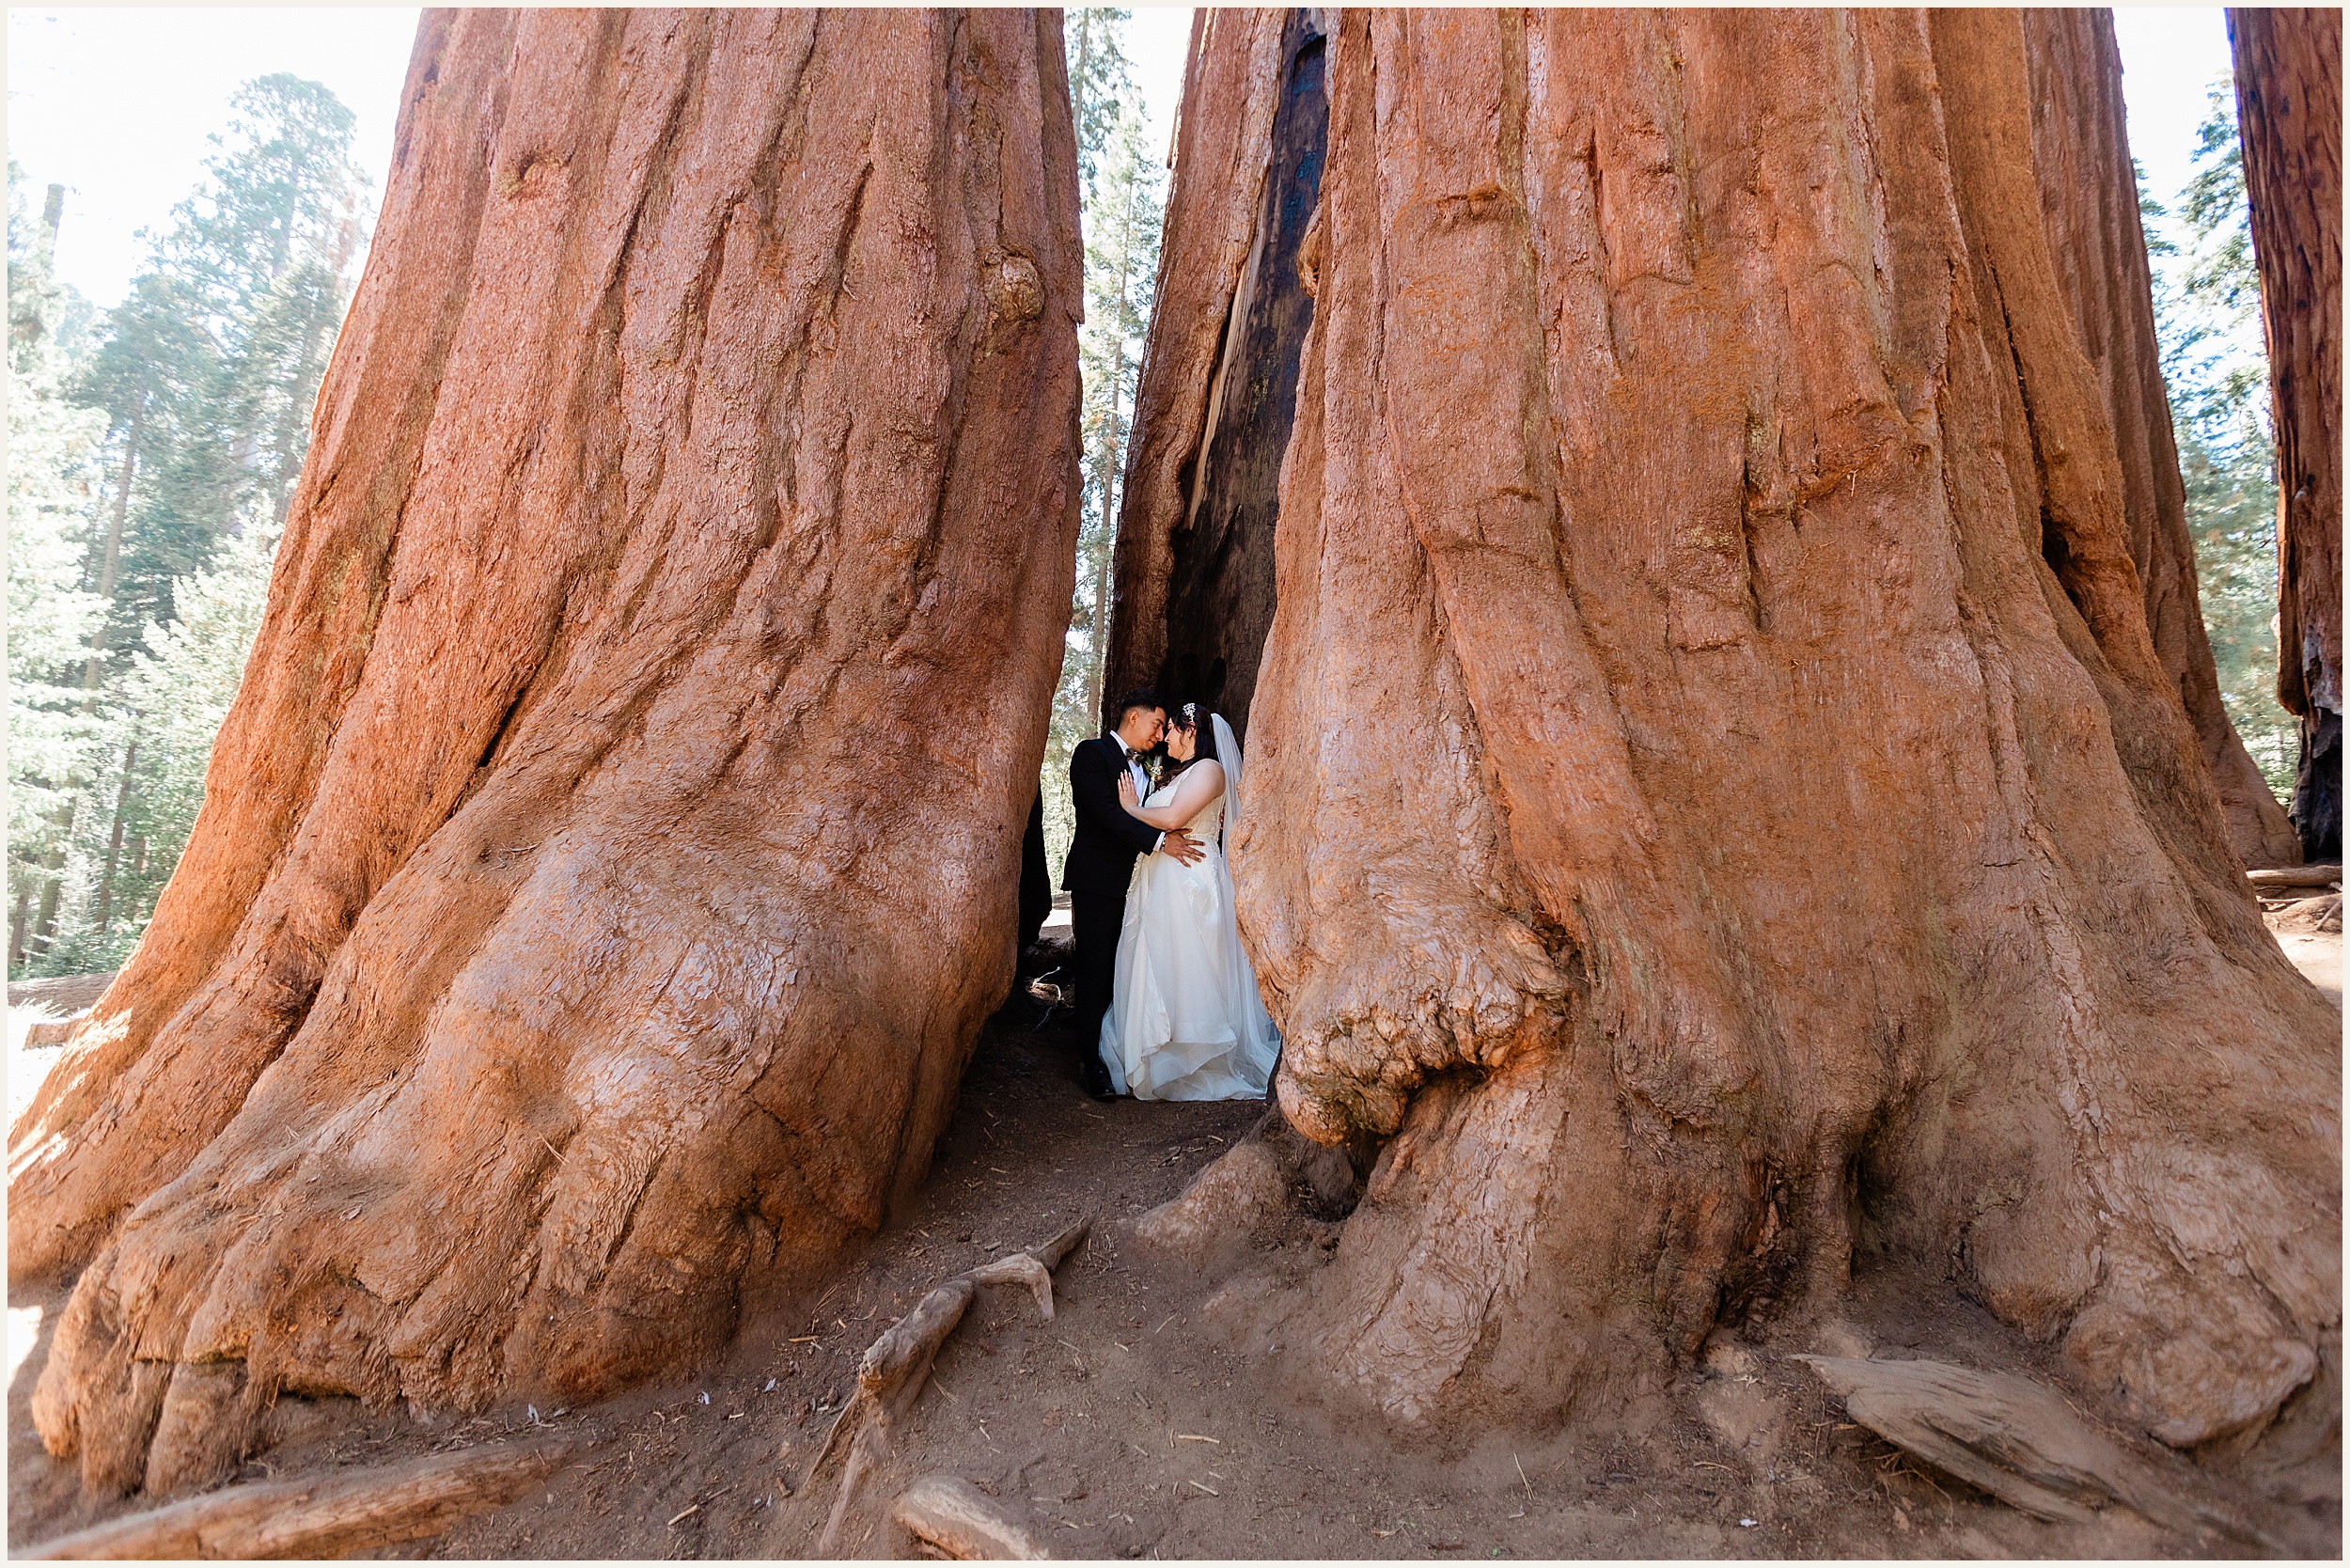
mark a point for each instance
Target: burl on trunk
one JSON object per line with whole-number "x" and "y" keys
{"x": 614, "y": 846}
{"x": 1716, "y": 802}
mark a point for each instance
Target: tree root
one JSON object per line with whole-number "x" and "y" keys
{"x": 2022, "y": 1443}
{"x": 895, "y": 1367}
{"x": 327, "y": 1516}
{"x": 952, "y": 1516}
{"x": 2274, "y": 877}
{"x": 1255, "y": 1187}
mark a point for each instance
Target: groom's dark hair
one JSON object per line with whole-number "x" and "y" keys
{"x": 1141, "y": 698}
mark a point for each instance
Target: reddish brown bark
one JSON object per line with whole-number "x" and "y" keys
{"x": 614, "y": 845}
{"x": 1714, "y": 801}
{"x": 2088, "y": 201}
{"x": 2288, "y": 77}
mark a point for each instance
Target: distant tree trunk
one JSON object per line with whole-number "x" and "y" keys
{"x": 53, "y": 890}
{"x": 2088, "y": 201}
{"x": 1097, "y": 657}
{"x": 2288, "y": 83}
{"x": 103, "y": 913}
{"x": 1098, "y": 605}
{"x": 110, "y": 560}
{"x": 293, "y": 420}
{"x": 1714, "y": 801}
{"x": 52, "y": 219}
{"x": 20, "y": 920}
{"x": 614, "y": 843}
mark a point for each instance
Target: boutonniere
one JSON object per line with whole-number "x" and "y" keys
{"x": 1155, "y": 768}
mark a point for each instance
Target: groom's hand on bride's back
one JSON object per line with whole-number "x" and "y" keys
{"x": 1178, "y": 845}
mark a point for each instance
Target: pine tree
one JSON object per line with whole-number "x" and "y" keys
{"x": 2217, "y": 379}
{"x": 201, "y": 382}
{"x": 1101, "y": 84}
{"x": 209, "y": 369}
{"x": 1122, "y": 189}
{"x": 52, "y": 485}
{"x": 167, "y": 709}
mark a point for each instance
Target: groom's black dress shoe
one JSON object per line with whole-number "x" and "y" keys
{"x": 1095, "y": 1078}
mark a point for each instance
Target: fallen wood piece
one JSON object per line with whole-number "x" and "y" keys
{"x": 331, "y": 1515}
{"x": 2296, "y": 876}
{"x": 2017, "y": 1441}
{"x": 951, "y": 1515}
{"x": 891, "y": 1373}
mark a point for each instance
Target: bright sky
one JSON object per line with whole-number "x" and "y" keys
{"x": 117, "y": 104}
{"x": 1156, "y": 39}
{"x": 2171, "y": 55}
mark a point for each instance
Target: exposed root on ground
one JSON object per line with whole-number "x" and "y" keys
{"x": 895, "y": 1370}
{"x": 335, "y": 1514}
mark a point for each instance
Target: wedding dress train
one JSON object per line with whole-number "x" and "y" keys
{"x": 1186, "y": 1022}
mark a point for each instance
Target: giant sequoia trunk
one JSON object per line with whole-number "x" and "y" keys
{"x": 2088, "y": 201}
{"x": 2288, "y": 80}
{"x": 614, "y": 843}
{"x": 1714, "y": 800}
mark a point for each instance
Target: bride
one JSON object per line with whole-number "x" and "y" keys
{"x": 1186, "y": 1022}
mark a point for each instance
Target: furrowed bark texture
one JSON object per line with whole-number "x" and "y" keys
{"x": 563, "y": 951}
{"x": 1713, "y": 799}
{"x": 2088, "y": 202}
{"x": 2288, "y": 76}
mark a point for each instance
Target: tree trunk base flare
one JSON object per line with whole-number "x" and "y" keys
{"x": 897, "y": 1366}
{"x": 953, "y": 1516}
{"x": 614, "y": 847}
{"x": 338, "y": 1514}
{"x": 2288, "y": 85}
{"x": 1716, "y": 803}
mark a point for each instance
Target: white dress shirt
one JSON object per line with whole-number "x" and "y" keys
{"x": 1141, "y": 777}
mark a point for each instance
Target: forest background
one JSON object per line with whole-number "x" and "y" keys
{"x": 154, "y": 445}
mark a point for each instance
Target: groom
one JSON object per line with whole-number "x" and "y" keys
{"x": 1102, "y": 862}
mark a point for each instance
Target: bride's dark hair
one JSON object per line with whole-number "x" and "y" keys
{"x": 1189, "y": 719}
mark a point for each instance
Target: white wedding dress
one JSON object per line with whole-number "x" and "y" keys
{"x": 1186, "y": 1022}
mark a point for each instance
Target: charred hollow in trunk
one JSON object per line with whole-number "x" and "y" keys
{"x": 1194, "y": 585}
{"x": 1220, "y": 596}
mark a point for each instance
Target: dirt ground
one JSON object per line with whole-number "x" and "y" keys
{"x": 1154, "y": 1418}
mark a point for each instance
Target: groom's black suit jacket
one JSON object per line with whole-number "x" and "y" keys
{"x": 1101, "y": 853}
